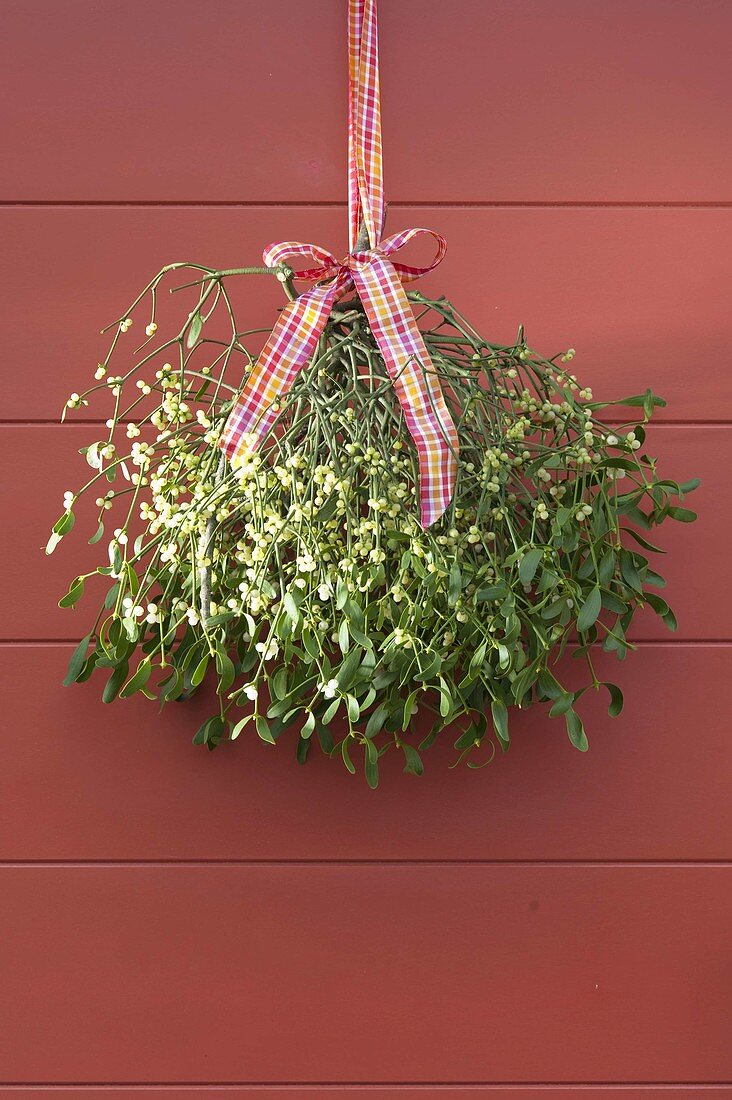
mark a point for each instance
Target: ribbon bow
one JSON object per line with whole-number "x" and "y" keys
{"x": 377, "y": 280}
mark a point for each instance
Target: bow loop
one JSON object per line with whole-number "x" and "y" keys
{"x": 276, "y": 254}
{"x": 408, "y": 272}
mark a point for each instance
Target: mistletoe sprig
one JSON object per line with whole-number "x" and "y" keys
{"x": 301, "y": 581}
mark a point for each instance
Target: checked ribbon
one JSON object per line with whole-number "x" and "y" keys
{"x": 377, "y": 279}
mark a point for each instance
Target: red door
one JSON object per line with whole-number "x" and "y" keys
{"x": 232, "y": 924}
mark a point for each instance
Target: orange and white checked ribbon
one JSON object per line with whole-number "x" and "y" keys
{"x": 378, "y": 282}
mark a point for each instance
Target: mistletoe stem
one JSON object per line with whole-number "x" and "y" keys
{"x": 281, "y": 272}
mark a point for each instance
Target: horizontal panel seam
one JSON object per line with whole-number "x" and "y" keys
{"x": 365, "y": 1085}
{"x": 92, "y": 423}
{"x": 548, "y": 864}
{"x": 338, "y": 204}
{"x": 640, "y": 642}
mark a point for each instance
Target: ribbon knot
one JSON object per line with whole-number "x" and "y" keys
{"x": 377, "y": 280}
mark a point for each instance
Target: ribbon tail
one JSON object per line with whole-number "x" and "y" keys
{"x": 289, "y": 346}
{"x": 416, "y": 383}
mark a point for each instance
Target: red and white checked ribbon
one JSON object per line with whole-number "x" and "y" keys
{"x": 377, "y": 281}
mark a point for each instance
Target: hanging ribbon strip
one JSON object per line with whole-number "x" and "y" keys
{"x": 378, "y": 282}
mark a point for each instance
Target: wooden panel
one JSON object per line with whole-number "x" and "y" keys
{"x": 641, "y": 293}
{"x": 365, "y": 974}
{"x": 190, "y": 924}
{"x": 369, "y": 1092}
{"x": 502, "y": 101}
{"x": 50, "y": 465}
{"x": 84, "y": 781}
{"x": 354, "y": 1092}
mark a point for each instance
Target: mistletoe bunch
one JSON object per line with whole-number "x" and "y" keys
{"x": 301, "y": 580}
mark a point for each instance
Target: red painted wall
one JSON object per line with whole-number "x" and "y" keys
{"x": 555, "y": 925}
